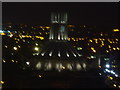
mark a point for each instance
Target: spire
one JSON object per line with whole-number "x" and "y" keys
{"x": 58, "y": 30}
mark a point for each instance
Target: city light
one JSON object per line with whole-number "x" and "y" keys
{"x": 39, "y": 76}
{"x": 28, "y": 63}
{"x": 42, "y": 54}
{"x": 107, "y": 66}
{"x": 114, "y": 85}
{"x": 12, "y": 60}
{"x": 59, "y": 54}
{"x": 99, "y": 66}
{"x": 1, "y": 31}
{"x": 4, "y": 61}
{"x": 111, "y": 78}
{"x": 15, "y": 48}
{"x": 63, "y": 67}
{"x": 50, "y": 54}
{"x": 39, "y": 48}
{"x": 36, "y": 44}
{"x": 116, "y": 30}
{"x": 2, "y": 82}
{"x": 36, "y": 49}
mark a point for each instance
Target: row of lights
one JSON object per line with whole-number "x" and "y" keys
{"x": 4, "y": 61}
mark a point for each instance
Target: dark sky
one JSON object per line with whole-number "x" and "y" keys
{"x": 103, "y": 15}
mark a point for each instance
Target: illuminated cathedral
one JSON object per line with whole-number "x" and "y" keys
{"x": 58, "y": 54}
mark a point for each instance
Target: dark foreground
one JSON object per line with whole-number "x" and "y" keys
{"x": 17, "y": 78}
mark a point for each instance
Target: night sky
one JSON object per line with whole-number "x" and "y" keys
{"x": 103, "y": 15}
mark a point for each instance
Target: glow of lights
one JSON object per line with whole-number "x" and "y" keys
{"x": 84, "y": 65}
{"x": 118, "y": 48}
{"x": 100, "y": 74}
{"x": 19, "y": 46}
{"x": 79, "y": 55}
{"x": 106, "y": 59}
{"x": 10, "y": 35}
{"x": 74, "y": 54}
{"x": 36, "y": 49}
{"x": 48, "y": 27}
{"x": 59, "y": 54}
{"x": 58, "y": 37}
{"x": 63, "y": 67}
{"x": 2, "y": 82}
{"x": 109, "y": 46}
{"x": 23, "y": 40}
{"x": 112, "y": 72}
{"x": 79, "y": 48}
{"x": 114, "y": 48}
{"x": 68, "y": 39}
{"x": 78, "y": 66}
{"x": 107, "y": 70}
{"x": 116, "y": 75}
{"x": 67, "y": 55}
{"x": 48, "y": 66}
{"x": 8, "y": 31}
{"x": 99, "y": 66}
{"x": 16, "y": 41}
{"x": 115, "y": 30}
{"x": 107, "y": 51}
{"x": 62, "y": 38}
{"x": 4, "y": 61}
{"x": 119, "y": 86}
{"x": 38, "y": 65}
{"x": 113, "y": 66}
{"x": 114, "y": 85}
{"x": 5, "y": 46}
{"x": 28, "y": 63}
{"x": 116, "y": 39}
{"x": 42, "y": 54}
{"x": 90, "y": 40}
{"x": 15, "y": 48}
{"x": 69, "y": 66}
{"x": 1, "y": 31}
{"x": 94, "y": 50}
{"x": 39, "y": 76}
{"x": 92, "y": 57}
{"x": 50, "y": 54}
{"x": 107, "y": 66}
{"x": 36, "y": 44}
{"x": 111, "y": 78}
{"x": 12, "y": 60}
{"x": 23, "y": 36}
